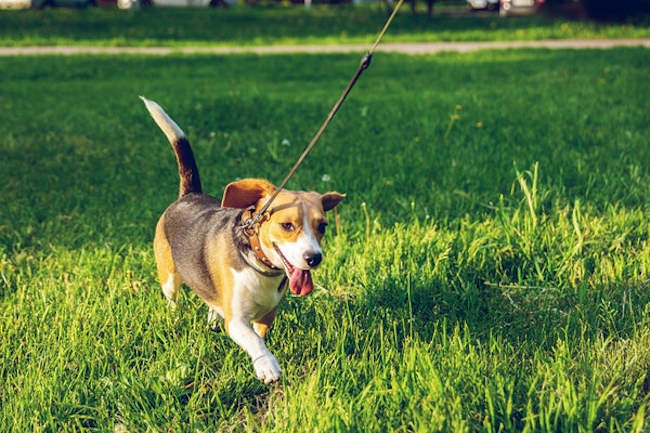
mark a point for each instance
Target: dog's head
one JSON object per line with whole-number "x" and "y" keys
{"x": 290, "y": 237}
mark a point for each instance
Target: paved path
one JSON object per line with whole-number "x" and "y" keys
{"x": 405, "y": 48}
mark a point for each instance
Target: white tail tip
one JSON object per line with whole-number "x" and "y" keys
{"x": 171, "y": 130}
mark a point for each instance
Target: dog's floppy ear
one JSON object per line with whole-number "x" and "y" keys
{"x": 246, "y": 192}
{"x": 331, "y": 199}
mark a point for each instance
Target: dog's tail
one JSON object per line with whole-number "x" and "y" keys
{"x": 187, "y": 170}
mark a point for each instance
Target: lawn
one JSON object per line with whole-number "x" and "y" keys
{"x": 285, "y": 25}
{"x": 490, "y": 269}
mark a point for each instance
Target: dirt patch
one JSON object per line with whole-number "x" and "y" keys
{"x": 404, "y": 48}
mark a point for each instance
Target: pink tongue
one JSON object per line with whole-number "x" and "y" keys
{"x": 300, "y": 282}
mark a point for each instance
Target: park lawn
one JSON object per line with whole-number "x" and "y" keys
{"x": 285, "y": 25}
{"x": 489, "y": 271}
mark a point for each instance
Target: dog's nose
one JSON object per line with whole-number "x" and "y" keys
{"x": 313, "y": 258}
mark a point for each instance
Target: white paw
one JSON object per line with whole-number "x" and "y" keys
{"x": 267, "y": 368}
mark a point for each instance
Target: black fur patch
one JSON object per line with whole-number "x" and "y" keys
{"x": 191, "y": 223}
{"x": 188, "y": 172}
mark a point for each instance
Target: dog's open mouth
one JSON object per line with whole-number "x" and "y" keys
{"x": 300, "y": 281}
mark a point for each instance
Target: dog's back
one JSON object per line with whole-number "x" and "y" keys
{"x": 189, "y": 223}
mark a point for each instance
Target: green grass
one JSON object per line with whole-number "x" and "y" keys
{"x": 490, "y": 276}
{"x": 284, "y": 25}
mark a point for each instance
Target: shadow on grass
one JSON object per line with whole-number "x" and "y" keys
{"x": 538, "y": 315}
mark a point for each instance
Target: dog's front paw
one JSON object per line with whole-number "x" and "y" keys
{"x": 267, "y": 368}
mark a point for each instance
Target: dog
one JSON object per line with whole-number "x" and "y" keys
{"x": 241, "y": 273}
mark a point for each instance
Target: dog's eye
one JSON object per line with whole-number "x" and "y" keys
{"x": 288, "y": 227}
{"x": 321, "y": 228}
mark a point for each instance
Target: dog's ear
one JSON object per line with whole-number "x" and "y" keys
{"x": 246, "y": 192}
{"x": 331, "y": 199}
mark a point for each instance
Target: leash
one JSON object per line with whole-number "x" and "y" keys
{"x": 365, "y": 63}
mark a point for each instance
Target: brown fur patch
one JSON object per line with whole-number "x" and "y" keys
{"x": 163, "y": 254}
{"x": 290, "y": 207}
{"x": 219, "y": 266}
{"x": 246, "y": 192}
{"x": 263, "y": 325}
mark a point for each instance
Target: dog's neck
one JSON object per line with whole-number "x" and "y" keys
{"x": 243, "y": 245}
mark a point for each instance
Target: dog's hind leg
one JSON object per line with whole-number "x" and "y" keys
{"x": 170, "y": 288}
{"x": 214, "y": 313}
{"x": 167, "y": 274}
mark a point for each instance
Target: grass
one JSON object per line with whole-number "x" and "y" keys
{"x": 490, "y": 270}
{"x": 284, "y": 25}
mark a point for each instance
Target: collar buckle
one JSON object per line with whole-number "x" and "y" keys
{"x": 251, "y": 227}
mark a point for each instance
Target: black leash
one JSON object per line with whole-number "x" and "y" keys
{"x": 365, "y": 63}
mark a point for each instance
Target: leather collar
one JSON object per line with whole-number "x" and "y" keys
{"x": 253, "y": 237}
{"x": 252, "y": 261}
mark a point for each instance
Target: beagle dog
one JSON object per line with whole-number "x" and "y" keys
{"x": 241, "y": 274}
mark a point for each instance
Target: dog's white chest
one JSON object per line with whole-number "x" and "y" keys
{"x": 255, "y": 294}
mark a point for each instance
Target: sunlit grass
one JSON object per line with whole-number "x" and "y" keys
{"x": 480, "y": 278}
